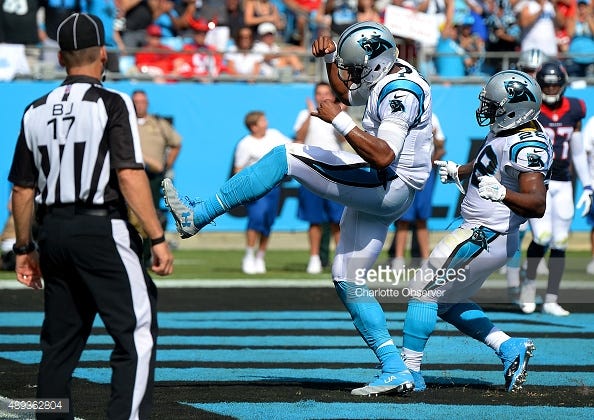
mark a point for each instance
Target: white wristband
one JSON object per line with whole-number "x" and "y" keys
{"x": 343, "y": 123}
{"x": 331, "y": 57}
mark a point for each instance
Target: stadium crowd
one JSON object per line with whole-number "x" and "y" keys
{"x": 193, "y": 39}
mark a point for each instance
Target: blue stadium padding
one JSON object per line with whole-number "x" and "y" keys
{"x": 209, "y": 116}
{"x": 366, "y": 410}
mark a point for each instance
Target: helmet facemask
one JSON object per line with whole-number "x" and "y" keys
{"x": 487, "y": 111}
{"x": 352, "y": 75}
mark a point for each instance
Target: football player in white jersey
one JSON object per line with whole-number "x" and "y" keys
{"x": 507, "y": 186}
{"x": 376, "y": 185}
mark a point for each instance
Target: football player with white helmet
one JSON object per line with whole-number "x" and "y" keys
{"x": 562, "y": 118}
{"x": 376, "y": 184}
{"x": 530, "y": 60}
{"x": 507, "y": 186}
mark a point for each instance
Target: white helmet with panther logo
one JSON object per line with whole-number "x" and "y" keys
{"x": 366, "y": 52}
{"x": 531, "y": 60}
{"x": 509, "y": 99}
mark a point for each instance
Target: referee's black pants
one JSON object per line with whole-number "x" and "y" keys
{"x": 91, "y": 264}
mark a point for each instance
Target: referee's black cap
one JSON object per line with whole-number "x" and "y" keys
{"x": 80, "y": 30}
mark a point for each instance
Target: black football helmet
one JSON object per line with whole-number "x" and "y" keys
{"x": 552, "y": 79}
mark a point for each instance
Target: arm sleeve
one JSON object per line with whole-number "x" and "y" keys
{"x": 578, "y": 157}
{"x": 394, "y": 132}
{"x": 588, "y": 136}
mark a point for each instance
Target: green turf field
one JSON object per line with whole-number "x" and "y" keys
{"x": 291, "y": 264}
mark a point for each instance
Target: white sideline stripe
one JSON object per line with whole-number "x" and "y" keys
{"x": 211, "y": 283}
{"x": 292, "y": 283}
{"x": 277, "y": 283}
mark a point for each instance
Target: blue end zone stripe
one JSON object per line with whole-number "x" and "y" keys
{"x": 440, "y": 350}
{"x": 320, "y": 320}
{"x": 350, "y": 376}
{"x": 34, "y": 319}
{"x": 437, "y": 344}
{"x": 320, "y": 410}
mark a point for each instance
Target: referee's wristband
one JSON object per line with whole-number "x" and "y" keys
{"x": 343, "y": 123}
{"x": 157, "y": 241}
{"x": 25, "y": 249}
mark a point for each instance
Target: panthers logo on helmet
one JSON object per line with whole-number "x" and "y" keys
{"x": 518, "y": 92}
{"x": 374, "y": 46}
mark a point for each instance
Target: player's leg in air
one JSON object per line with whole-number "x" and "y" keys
{"x": 461, "y": 262}
{"x": 371, "y": 208}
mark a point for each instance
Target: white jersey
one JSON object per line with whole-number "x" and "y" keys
{"x": 320, "y": 133}
{"x": 404, "y": 98}
{"x": 251, "y": 149}
{"x": 526, "y": 150}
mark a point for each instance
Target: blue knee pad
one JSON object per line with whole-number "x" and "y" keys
{"x": 470, "y": 319}
{"x": 419, "y": 324}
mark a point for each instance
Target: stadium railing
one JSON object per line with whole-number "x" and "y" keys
{"x": 314, "y": 69}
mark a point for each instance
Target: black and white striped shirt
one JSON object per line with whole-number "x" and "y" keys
{"x": 72, "y": 141}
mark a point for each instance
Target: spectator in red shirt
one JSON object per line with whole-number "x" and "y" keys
{"x": 154, "y": 58}
{"x": 197, "y": 58}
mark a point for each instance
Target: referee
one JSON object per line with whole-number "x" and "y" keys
{"x": 78, "y": 159}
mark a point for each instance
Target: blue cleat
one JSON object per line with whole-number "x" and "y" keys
{"x": 420, "y": 385}
{"x": 388, "y": 383}
{"x": 182, "y": 214}
{"x": 515, "y": 354}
